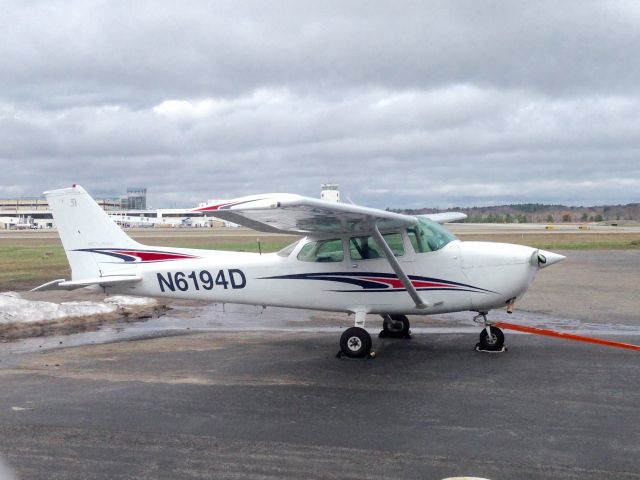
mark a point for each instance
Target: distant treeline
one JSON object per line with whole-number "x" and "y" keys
{"x": 540, "y": 213}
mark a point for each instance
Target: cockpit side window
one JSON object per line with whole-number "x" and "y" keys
{"x": 428, "y": 236}
{"x": 322, "y": 251}
{"x": 365, "y": 247}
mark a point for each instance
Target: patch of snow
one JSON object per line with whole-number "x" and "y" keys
{"x": 14, "y": 309}
{"x": 10, "y": 294}
{"x": 124, "y": 300}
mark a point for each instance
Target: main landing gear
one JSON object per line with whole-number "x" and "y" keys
{"x": 355, "y": 342}
{"x": 395, "y": 326}
{"x": 491, "y": 337}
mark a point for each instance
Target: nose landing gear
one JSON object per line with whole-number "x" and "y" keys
{"x": 491, "y": 337}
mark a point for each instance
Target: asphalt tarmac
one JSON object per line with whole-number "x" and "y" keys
{"x": 280, "y": 405}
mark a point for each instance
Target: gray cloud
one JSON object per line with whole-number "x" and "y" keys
{"x": 402, "y": 103}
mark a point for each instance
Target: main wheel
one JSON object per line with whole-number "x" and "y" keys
{"x": 399, "y": 327}
{"x": 355, "y": 342}
{"x": 495, "y": 341}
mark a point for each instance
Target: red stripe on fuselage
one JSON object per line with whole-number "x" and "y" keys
{"x": 396, "y": 283}
{"x": 154, "y": 256}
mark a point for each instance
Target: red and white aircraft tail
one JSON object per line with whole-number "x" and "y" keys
{"x": 98, "y": 250}
{"x": 84, "y": 229}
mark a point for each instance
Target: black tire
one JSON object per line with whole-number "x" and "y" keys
{"x": 493, "y": 342}
{"x": 393, "y": 330}
{"x": 355, "y": 342}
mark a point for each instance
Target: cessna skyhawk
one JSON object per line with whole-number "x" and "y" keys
{"x": 352, "y": 259}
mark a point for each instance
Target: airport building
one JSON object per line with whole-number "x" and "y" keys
{"x": 128, "y": 210}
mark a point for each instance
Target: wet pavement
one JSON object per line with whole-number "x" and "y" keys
{"x": 204, "y": 317}
{"x": 208, "y": 391}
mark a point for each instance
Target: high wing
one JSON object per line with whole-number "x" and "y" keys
{"x": 288, "y": 213}
{"x": 445, "y": 217}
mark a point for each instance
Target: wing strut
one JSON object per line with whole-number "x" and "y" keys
{"x": 397, "y": 268}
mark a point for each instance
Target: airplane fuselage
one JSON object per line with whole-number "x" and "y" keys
{"x": 460, "y": 276}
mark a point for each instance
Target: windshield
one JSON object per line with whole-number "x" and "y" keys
{"x": 429, "y": 236}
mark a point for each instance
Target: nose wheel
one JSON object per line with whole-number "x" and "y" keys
{"x": 491, "y": 340}
{"x": 491, "y": 337}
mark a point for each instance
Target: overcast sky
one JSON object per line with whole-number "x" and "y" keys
{"x": 402, "y": 104}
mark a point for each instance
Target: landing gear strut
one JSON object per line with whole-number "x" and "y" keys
{"x": 395, "y": 326}
{"x": 491, "y": 337}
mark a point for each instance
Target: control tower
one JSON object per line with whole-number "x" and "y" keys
{"x": 330, "y": 192}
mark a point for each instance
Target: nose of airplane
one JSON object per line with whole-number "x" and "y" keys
{"x": 544, "y": 258}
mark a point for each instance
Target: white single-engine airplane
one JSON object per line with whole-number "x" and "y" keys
{"x": 353, "y": 259}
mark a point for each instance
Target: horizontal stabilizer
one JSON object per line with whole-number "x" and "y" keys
{"x": 52, "y": 285}
{"x": 70, "y": 285}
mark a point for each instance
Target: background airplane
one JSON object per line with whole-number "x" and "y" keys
{"x": 352, "y": 259}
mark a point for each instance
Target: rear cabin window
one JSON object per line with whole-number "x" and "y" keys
{"x": 366, "y": 248}
{"x": 322, "y": 251}
{"x": 286, "y": 251}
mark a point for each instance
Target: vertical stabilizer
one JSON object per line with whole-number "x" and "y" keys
{"x": 84, "y": 227}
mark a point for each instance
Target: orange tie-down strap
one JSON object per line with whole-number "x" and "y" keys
{"x": 568, "y": 336}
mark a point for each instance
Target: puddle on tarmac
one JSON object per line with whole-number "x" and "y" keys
{"x": 229, "y": 317}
